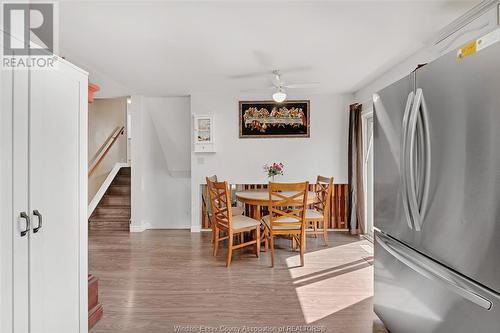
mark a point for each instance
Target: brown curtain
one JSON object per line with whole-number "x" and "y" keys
{"x": 356, "y": 195}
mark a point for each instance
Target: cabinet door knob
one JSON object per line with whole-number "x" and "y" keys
{"x": 27, "y": 219}
{"x": 39, "y": 216}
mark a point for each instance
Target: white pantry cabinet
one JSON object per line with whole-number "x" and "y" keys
{"x": 43, "y": 207}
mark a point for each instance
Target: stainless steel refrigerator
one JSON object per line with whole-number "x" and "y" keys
{"x": 437, "y": 197}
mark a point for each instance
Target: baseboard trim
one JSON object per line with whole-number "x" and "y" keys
{"x": 137, "y": 228}
{"x": 104, "y": 187}
{"x": 196, "y": 228}
{"x": 140, "y": 228}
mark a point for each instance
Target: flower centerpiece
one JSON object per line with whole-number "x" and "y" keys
{"x": 275, "y": 169}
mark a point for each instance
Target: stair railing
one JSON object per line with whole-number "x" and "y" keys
{"x": 104, "y": 149}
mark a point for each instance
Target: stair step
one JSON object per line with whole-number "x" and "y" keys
{"x": 108, "y": 206}
{"x": 112, "y": 207}
{"x": 100, "y": 216}
{"x": 121, "y": 180}
{"x": 107, "y": 219}
{"x": 106, "y": 225}
{"x": 108, "y": 200}
{"x": 119, "y": 189}
{"x": 124, "y": 171}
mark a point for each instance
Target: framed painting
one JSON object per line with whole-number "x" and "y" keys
{"x": 268, "y": 119}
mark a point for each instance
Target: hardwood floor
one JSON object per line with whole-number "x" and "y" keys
{"x": 158, "y": 279}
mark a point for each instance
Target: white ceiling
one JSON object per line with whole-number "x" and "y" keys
{"x": 177, "y": 48}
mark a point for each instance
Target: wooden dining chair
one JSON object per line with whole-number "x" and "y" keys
{"x": 231, "y": 225}
{"x": 318, "y": 215}
{"x": 287, "y": 207}
{"x": 235, "y": 210}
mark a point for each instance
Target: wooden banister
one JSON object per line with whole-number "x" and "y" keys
{"x": 104, "y": 149}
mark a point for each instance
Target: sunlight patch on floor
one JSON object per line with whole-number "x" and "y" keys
{"x": 333, "y": 279}
{"x": 367, "y": 248}
{"x": 328, "y": 296}
{"x": 327, "y": 258}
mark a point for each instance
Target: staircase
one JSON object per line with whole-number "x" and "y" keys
{"x": 113, "y": 211}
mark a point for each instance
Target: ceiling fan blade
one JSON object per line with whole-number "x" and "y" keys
{"x": 249, "y": 75}
{"x": 285, "y": 70}
{"x": 302, "y": 85}
{"x": 259, "y": 89}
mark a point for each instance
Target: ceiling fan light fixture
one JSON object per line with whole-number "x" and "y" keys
{"x": 279, "y": 96}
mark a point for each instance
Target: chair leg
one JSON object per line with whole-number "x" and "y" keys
{"x": 229, "y": 249}
{"x": 216, "y": 241}
{"x": 315, "y": 227}
{"x": 302, "y": 247}
{"x": 271, "y": 244}
{"x": 325, "y": 232}
{"x": 257, "y": 243}
{"x": 266, "y": 240}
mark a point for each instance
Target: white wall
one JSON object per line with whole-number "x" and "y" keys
{"x": 241, "y": 160}
{"x": 476, "y": 23}
{"x": 136, "y": 151}
{"x": 398, "y": 71}
{"x": 160, "y": 161}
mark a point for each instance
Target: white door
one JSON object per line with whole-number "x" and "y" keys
{"x": 368, "y": 170}
{"x": 14, "y": 292}
{"x": 54, "y": 199}
{"x": 6, "y": 216}
{"x": 19, "y": 228}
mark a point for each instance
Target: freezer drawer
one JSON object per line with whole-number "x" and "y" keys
{"x": 414, "y": 294}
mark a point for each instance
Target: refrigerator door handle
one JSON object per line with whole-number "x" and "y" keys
{"x": 419, "y": 112}
{"x": 428, "y": 156}
{"x": 420, "y": 174}
{"x": 410, "y": 163}
{"x": 404, "y": 140}
{"x": 435, "y": 272}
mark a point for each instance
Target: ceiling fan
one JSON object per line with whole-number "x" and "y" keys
{"x": 281, "y": 87}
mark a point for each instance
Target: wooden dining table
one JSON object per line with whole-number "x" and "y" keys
{"x": 260, "y": 198}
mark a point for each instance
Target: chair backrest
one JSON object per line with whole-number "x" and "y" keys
{"x": 220, "y": 202}
{"x": 287, "y": 203}
{"x": 323, "y": 189}
{"x": 212, "y": 178}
